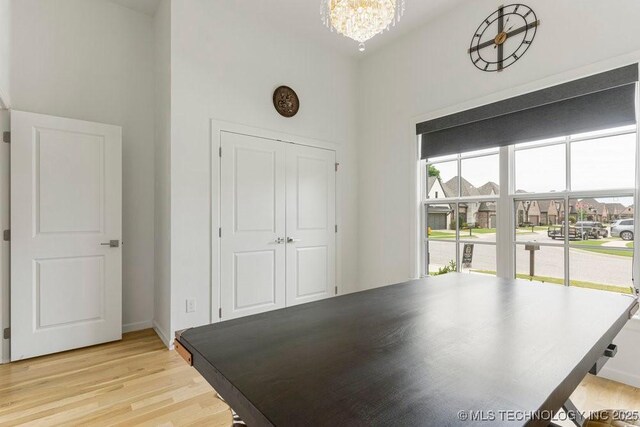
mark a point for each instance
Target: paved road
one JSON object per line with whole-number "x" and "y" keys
{"x": 549, "y": 261}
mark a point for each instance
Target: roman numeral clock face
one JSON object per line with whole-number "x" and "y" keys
{"x": 503, "y": 37}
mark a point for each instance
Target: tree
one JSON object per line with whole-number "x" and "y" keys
{"x": 433, "y": 171}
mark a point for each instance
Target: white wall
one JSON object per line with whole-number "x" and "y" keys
{"x": 5, "y": 37}
{"x": 429, "y": 71}
{"x": 5, "y": 51}
{"x": 162, "y": 294}
{"x": 428, "y": 74}
{"x": 625, "y": 367}
{"x": 94, "y": 60}
{"x": 225, "y": 66}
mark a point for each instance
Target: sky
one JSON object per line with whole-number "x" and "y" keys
{"x": 605, "y": 163}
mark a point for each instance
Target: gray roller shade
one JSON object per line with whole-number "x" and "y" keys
{"x": 602, "y": 101}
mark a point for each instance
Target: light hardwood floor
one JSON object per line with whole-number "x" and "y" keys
{"x": 139, "y": 382}
{"x": 136, "y": 381}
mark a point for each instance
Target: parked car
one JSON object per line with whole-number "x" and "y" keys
{"x": 575, "y": 233}
{"x": 622, "y": 228}
{"x": 596, "y": 229}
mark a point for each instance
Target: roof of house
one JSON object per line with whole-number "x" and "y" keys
{"x": 466, "y": 188}
{"x": 450, "y": 189}
{"x": 487, "y": 207}
{"x": 431, "y": 180}
{"x": 490, "y": 188}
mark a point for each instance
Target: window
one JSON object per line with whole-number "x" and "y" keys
{"x": 574, "y": 238}
{"x": 572, "y": 202}
{"x": 460, "y": 214}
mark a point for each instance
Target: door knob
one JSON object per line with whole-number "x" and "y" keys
{"x": 291, "y": 240}
{"x": 112, "y": 244}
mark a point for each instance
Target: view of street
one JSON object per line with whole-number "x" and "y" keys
{"x": 597, "y": 263}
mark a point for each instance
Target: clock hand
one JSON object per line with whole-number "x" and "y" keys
{"x": 523, "y": 29}
{"x": 500, "y": 31}
{"x": 509, "y": 34}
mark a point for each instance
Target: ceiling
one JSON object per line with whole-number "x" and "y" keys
{"x": 148, "y": 7}
{"x": 301, "y": 18}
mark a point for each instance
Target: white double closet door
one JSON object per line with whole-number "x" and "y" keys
{"x": 278, "y": 241}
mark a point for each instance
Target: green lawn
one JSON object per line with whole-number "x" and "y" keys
{"x": 630, "y": 245}
{"x": 442, "y": 235}
{"x": 536, "y": 228}
{"x": 595, "y": 246}
{"x": 479, "y": 230}
{"x": 607, "y": 251}
{"x": 464, "y": 233}
{"x": 576, "y": 283}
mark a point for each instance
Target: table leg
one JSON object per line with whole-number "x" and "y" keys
{"x": 574, "y": 414}
{"x": 237, "y": 421}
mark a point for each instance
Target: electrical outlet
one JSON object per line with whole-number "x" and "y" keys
{"x": 191, "y": 305}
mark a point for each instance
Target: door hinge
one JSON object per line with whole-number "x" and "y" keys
{"x": 7, "y": 333}
{"x": 336, "y": 290}
{"x": 219, "y": 151}
{"x": 336, "y": 228}
{"x": 6, "y": 137}
{"x": 220, "y": 313}
{"x": 220, "y": 232}
{"x": 337, "y": 165}
{"x": 6, "y": 235}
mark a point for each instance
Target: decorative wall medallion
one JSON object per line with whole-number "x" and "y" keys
{"x": 503, "y": 37}
{"x": 286, "y": 101}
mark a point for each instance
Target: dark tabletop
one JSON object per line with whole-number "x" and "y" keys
{"x": 411, "y": 354}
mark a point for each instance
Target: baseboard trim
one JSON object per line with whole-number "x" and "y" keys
{"x": 162, "y": 334}
{"x": 137, "y": 326}
{"x": 620, "y": 376}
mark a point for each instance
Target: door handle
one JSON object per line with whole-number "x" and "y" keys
{"x": 291, "y": 240}
{"x": 112, "y": 244}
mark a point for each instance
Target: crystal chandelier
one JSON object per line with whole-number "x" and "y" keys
{"x": 360, "y": 20}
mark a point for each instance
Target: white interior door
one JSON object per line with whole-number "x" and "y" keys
{"x": 311, "y": 219}
{"x": 252, "y": 249}
{"x": 66, "y": 204}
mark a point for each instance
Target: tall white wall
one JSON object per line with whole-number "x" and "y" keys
{"x": 94, "y": 60}
{"x": 162, "y": 294}
{"x": 428, "y": 73}
{"x": 5, "y": 48}
{"x": 5, "y": 37}
{"x": 225, "y": 66}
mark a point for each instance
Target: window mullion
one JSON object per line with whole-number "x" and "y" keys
{"x": 567, "y": 209}
{"x": 505, "y": 260}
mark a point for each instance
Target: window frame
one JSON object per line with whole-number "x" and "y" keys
{"x": 459, "y": 158}
{"x": 506, "y": 243}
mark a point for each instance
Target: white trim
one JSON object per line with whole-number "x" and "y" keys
{"x": 5, "y": 247}
{"x": 137, "y": 326}
{"x": 162, "y": 334}
{"x": 620, "y": 376}
{"x": 635, "y": 268}
{"x": 217, "y": 128}
{"x": 622, "y": 373}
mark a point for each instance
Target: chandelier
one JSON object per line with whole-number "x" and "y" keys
{"x": 360, "y": 20}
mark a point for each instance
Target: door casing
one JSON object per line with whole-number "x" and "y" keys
{"x": 217, "y": 128}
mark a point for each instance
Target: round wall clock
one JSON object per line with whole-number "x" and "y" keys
{"x": 286, "y": 101}
{"x": 503, "y": 37}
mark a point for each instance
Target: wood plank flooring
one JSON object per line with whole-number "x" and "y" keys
{"x": 137, "y": 381}
{"x": 133, "y": 382}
